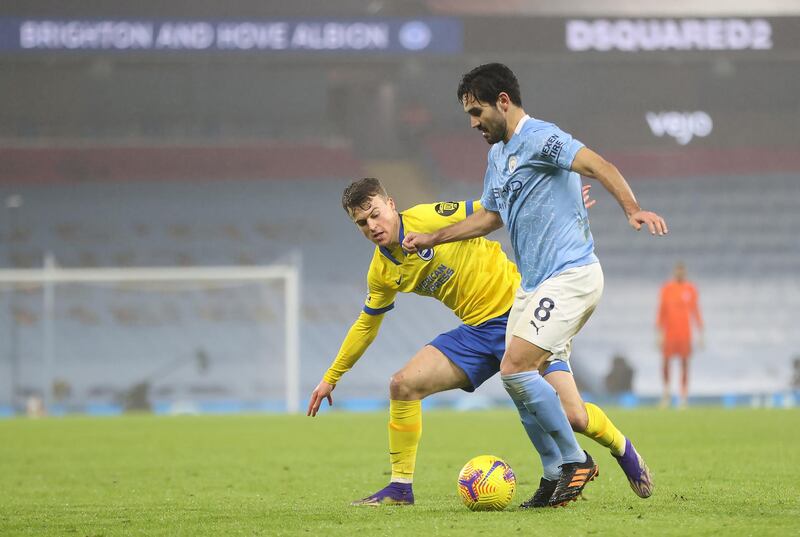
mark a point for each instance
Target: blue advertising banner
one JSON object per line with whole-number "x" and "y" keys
{"x": 434, "y": 35}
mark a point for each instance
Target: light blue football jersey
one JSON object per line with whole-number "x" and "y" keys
{"x": 529, "y": 182}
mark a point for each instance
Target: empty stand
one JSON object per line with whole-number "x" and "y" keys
{"x": 736, "y": 234}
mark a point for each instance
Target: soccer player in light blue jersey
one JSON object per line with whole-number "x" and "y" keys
{"x": 532, "y": 185}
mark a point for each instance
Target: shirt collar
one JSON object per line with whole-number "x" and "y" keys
{"x": 387, "y": 252}
{"x": 522, "y": 121}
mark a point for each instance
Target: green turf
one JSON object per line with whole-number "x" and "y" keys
{"x": 718, "y": 472}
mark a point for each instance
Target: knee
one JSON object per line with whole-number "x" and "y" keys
{"x": 519, "y": 361}
{"x": 400, "y": 388}
{"x": 508, "y": 368}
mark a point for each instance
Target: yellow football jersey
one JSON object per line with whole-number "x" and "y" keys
{"x": 474, "y": 278}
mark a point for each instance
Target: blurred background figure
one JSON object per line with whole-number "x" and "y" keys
{"x": 677, "y": 311}
{"x": 620, "y": 377}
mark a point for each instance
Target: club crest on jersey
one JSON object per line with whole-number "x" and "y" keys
{"x": 446, "y": 208}
{"x": 426, "y": 254}
{"x": 512, "y": 163}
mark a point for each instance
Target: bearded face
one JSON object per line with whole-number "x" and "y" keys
{"x": 487, "y": 118}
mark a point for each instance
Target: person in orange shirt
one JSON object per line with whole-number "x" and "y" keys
{"x": 677, "y": 308}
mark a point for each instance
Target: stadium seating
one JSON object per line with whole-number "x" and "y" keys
{"x": 108, "y": 340}
{"x": 744, "y": 261}
{"x": 737, "y": 236}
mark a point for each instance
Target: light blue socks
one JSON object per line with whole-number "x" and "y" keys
{"x": 530, "y": 391}
{"x": 544, "y": 444}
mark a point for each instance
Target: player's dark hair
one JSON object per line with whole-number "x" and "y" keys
{"x": 359, "y": 192}
{"x": 486, "y": 82}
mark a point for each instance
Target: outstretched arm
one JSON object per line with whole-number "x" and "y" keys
{"x": 358, "y": 339}
{"x": 478, "y": 224}
{"x": 590, "y": 164}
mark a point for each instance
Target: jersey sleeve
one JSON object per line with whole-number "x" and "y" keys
{"x": 380, "y": 299}
{"x": 380, "y": 296}
{"x": 432, "y": 216}
{"x": 556, "y": 147}
{"x": 361, "y": 334}
{"x": 487, "y": 198}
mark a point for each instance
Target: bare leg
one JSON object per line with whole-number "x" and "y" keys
{"x": 522, "y": 356}
{"x": 684, "y": 381}
{"x": 665, "y": 397}
{"x": 574, "y": 407}
{"x": 428, "y": 372}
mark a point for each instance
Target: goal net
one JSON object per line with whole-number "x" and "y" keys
{"x": 167, "y": 340}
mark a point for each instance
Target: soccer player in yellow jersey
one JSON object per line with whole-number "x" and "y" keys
{"x": 476, "y": 280}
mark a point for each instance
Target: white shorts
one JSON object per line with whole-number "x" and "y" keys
{"x": 551, "y": 315}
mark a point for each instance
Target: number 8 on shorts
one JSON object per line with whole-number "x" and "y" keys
{"x": 551, "y": 315}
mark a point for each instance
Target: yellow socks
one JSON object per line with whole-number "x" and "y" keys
{"x": 603, "y": 431}
{"x": 405, "y": 430}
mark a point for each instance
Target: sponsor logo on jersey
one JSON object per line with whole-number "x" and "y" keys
{"x": 552, "y": 148}
{"x": 440, "y": 276}
{"x": 426, "y": 254}
{"x": 508, "y": 191}
{"x": 446, "y": 208}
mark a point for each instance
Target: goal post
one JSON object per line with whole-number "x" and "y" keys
{"x": 154, "y": 280}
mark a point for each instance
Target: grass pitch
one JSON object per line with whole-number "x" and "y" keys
{"x": 718, "y": 472}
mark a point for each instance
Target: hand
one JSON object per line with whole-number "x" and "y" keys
{"x": 655, "y": 223}
{"x": 701, "y": 340}
{"x": 587, "y": 201}
{"x": 415, "y": 242}
{"x": 659, "y": 340}
{"x": 322, "y": 391}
